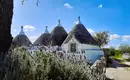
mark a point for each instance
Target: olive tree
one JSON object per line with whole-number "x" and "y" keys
{"x": 102, "y": 38}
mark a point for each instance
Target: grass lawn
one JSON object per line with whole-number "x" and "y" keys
{"x": 122, "y": 61}
{"x": 128, "y": 68}
{"x": 118, "y": 58}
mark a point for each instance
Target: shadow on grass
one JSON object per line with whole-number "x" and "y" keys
{"x": 125, "y": 65}
{"x": 117, "y": 63}
{"x": 118, "y": 60}
{"x": 120, "y": 63}
{"x": 128, "y": 60}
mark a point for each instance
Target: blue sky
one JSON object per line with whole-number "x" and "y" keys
{"x": 96, "y": 15}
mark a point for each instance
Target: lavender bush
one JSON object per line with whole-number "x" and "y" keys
{"x": 21, "y": 65}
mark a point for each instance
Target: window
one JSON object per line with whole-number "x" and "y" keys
{"x": 73, "y": 47}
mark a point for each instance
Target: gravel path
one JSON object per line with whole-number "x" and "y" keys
{"x": 118, "y": 73}
{"x": 128, "y": 63}
{"x": 116, "y": 64}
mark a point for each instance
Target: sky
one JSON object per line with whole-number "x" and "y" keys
{"x": 96, "y": 15}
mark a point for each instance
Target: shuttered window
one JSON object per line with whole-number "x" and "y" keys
{"x": 73, "y": 47}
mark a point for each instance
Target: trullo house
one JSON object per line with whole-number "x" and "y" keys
{"x": 58, "y": 35}
{"x": 44, "y": 39}
{"x": 21, "y": 39}
{"x": 79, "y": 41}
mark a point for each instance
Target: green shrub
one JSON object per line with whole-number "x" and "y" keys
{"x": 118, "y": 53}
{"x": 20, "y": 65}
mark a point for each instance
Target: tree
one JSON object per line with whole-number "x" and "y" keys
{"x": 124, "y": 48}
{"x": 6, "y": 14}
{"x": 118, "y": 53}
{"x": 112, "y": 51}
{"x": 102, "y": 38}
{"x": 36, "y": 2}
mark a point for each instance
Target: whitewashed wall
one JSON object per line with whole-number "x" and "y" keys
{"x": 79, "y": 46}
{"x": 66, "y": 46}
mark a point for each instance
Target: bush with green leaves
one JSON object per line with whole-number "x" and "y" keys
{"x": 21, "y": 65}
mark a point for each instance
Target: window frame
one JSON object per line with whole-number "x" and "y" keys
{"x": 73, "y": 50}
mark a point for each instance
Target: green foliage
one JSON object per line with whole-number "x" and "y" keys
{"x": 20, "y": 65}
{"x": 102, "y": 38}
{"x": 118, "y": 53}
{"x": 36, "y": 2}
{"x": 124, "y": 48}
{"x": 113, "y": 52}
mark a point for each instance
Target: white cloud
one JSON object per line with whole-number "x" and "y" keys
{"x": 29, "y": 28}
{"x": 91, "y": 31}
{"x": 68, "y": 6}
{"x": 125, "y": 37}
{"x": 100, "y": 6}
{"x": 114, "y": 37}
{"x": 33, "y": 38}
{"x": 15, "y": 30}
{"x": 116, "y": 46}
{"x": 107, "y": 46}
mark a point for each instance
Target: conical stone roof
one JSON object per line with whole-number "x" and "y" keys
{"x": 81, "y": 34}
{"x": 58, "y": 35}
{"x": 44, "y": 39}
{"x": 21, "y": 39}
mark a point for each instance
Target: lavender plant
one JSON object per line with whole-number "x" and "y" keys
{"x": 20, "y": 65}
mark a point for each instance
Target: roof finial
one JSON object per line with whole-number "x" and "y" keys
{"x": 46, "y": 27}
{"x": 21, "y": 32}
{"x": 79, "y": 22}
{"x": 46, "y": 31}
{"x": 59, "y": 23}
{"x": 79, "y": 18}
{"x": 21, "y": 27}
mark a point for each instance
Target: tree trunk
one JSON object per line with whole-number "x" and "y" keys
{"x": 6, "y": 13}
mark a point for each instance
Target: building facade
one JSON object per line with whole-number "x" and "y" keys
{"x": 78, "y": 42}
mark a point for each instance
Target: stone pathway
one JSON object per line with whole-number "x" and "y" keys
{"x": 118, "y": 73}
{"x": 127, "y": 63}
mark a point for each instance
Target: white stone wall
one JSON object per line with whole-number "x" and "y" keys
{"x": 126, "y": 55}
{"x": 80, "y": 46}
{"x": 66, "y": 46}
